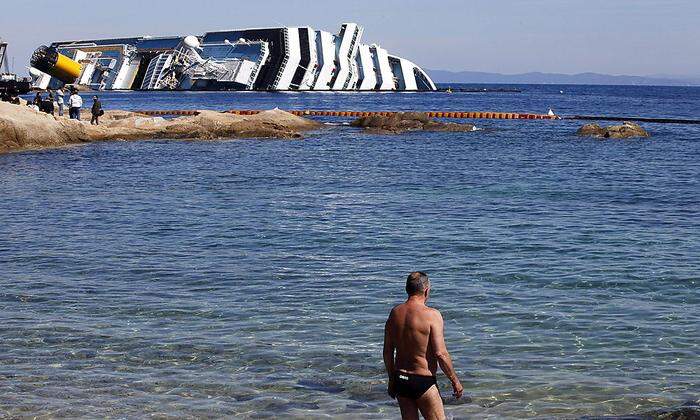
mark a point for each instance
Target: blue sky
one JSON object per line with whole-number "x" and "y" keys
{"x": 638, "y": 37}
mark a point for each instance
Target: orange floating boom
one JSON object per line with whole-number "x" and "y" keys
{"x": 355, "y": 114}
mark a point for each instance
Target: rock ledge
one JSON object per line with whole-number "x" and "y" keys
{"x": 625, "y": 131}
{"x": 22, "y": 128}
{"x": 407, "y": 121}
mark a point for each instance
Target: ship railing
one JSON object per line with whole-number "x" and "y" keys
{"x": 351, "y": 51}
{"x": 256, "y": 69}
{"x": 285, "y": 36}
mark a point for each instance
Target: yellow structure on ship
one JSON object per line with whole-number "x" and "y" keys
{"x": 53, "y": 63}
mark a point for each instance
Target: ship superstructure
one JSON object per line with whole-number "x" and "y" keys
{"x": 268, "y": 59}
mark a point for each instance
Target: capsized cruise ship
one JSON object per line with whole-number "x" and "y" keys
{"x": 267, "y": 59}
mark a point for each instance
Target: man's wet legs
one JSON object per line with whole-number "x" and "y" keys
{"x": 430, "y": 405}
{"x": 409, "y": 408}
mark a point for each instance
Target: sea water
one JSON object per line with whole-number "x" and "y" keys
{"x": 252, "y": 278}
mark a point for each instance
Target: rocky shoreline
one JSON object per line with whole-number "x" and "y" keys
{"x": 22, "y": 128}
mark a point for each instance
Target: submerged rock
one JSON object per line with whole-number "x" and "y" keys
{"x": 22, "y": 128}
{"x": 624, "y": 131}
{"x": 687, "y": 411}
{"x": 591, "y": 130}
{"x": 407, "y": 121}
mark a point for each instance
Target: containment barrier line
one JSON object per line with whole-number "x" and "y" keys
{"x": 429, "y": 114}
{"x": 359, "y": 114}
{"x": 432, "y": 114}
{"x": 178, "y": 112}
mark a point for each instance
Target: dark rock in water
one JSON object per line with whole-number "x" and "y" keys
{"x": 625, "y": 131}
{"x": 407, "y": 121}
{"x": 591, "y": 130}
{"x": 688, "y": 411}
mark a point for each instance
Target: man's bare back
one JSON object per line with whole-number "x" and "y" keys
{"x": 410, "y": 326}
{"x": 414, "y": 346}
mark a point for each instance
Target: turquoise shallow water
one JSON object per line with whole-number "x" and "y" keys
{"x": 252, "y": 278}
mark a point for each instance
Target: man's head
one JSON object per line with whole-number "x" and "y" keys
{"x": 418, "y": 284}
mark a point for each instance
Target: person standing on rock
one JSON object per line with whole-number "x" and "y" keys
{"x": 75, "y": 102}
{"x": 59, "y": 101}
{"x": 38, "y": 99}
{"x": 47, "y": 104}
{"x": 414, "y": 346}
{"x": 96, "y": 111}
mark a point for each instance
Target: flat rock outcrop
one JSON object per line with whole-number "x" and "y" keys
{"x": 206, "y": 125}
{"x": 401, "y": 122}
{"x": 22, "y": 128}
{"x": 626, "y": 130}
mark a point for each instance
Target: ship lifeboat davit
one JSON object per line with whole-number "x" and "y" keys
{"x": 55, "y": 64}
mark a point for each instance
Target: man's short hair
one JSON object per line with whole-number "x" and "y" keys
{"x": 417, "y": 283}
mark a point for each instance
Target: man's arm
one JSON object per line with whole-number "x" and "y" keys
{"x": 437, "y": 341}
{"x": 389, "y": 348}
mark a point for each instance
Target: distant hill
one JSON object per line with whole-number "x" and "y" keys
{"x": 443, "y": 76}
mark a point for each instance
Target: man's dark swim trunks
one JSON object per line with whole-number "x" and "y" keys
{"x": 413, "y": 386}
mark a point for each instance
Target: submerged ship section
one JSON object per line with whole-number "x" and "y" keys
{"x": 264, "y": 59}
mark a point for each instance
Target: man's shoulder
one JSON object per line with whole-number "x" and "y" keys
{"x": 397, "y": 308}
{"x": 434, "y": 313}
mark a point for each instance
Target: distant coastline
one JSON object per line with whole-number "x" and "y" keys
{"x": 444, "y": 76}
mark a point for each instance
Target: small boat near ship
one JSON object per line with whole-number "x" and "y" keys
{"x": 259, "y": 59}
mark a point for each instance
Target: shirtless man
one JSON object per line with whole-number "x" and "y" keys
{"x": 415, "y": 333}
